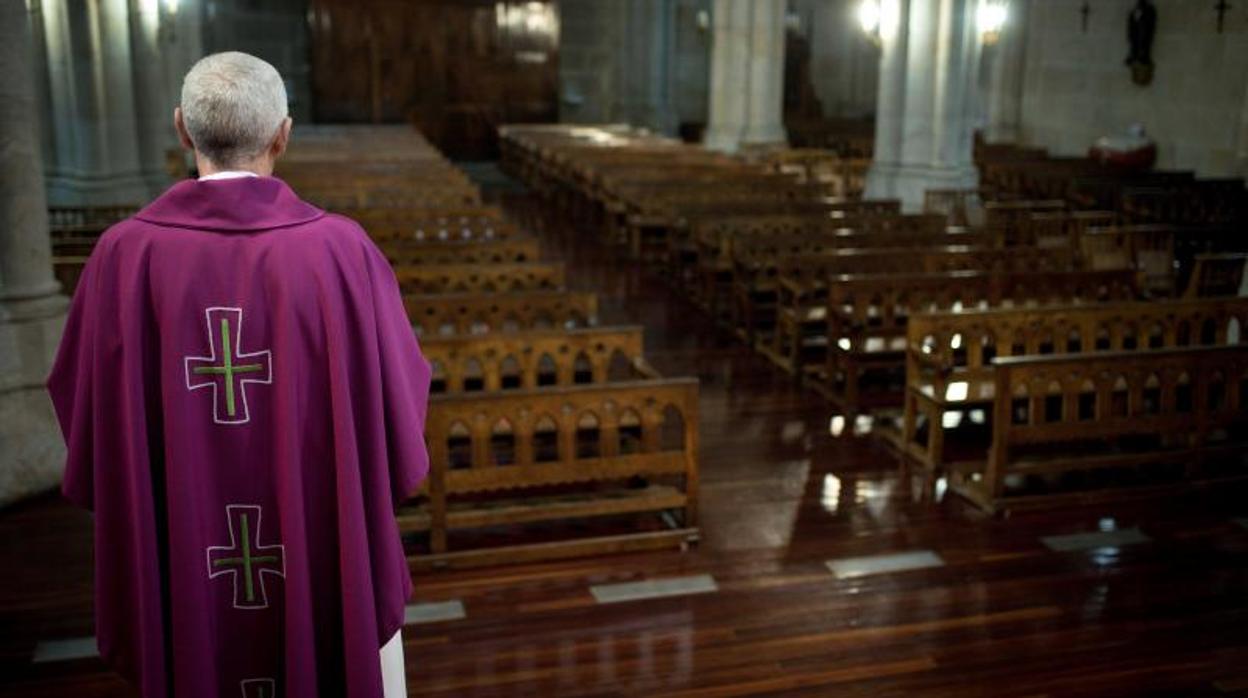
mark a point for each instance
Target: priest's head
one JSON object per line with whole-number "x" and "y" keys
{"x": 233, "y": 114}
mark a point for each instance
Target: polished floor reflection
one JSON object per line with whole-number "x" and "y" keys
{"x": 1151, "y": 598}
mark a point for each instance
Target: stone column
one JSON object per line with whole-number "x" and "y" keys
{"x": 153, "y": 104}
{"x": 747, "y": 75}
{"x": 926, "y": 112}
{"x": 97, "y": 156}
{"x": 1004, "y": 99}
{"x": 764, "y": 125}
{"x": 645, "y": 71}
{"x": 31, "y": 309}
{"x": 730, "y": 60}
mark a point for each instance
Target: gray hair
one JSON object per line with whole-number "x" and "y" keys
{"x": 232, "y": 105}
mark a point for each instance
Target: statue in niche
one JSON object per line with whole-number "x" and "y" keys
{"x": 1141, "y": 26}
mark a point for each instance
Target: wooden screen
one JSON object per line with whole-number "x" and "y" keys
{"x": 455, "y": 68}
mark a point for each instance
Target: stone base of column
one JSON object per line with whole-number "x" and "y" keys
{"x": 1002, "y": 133}
{"x": 770, "y": 136}
{"x": 69, "y": 189}
{"x": 32, "y": 452}
{"x": 725, "y": 139}
{"x": 909, "y": 183}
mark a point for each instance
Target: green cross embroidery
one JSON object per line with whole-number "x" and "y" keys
{"x": 246, "y": 558}
{"x": 228, "y": 369}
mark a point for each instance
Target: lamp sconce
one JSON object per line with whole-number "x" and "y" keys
{"x": 870, "y": 15}
{"x": 990, "y": 19}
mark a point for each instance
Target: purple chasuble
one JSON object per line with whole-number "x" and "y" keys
{"x": 244, "y": 402}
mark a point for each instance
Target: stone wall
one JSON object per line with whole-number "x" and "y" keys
{"x": 590, "y": 34}
{"x": 1076, "y": 87}
{"x": 645, "y": 62}
{"x": 275, "y": 30}
{"x": 844, "y": 64}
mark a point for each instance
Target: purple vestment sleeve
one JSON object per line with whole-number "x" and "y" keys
{"x": 405, "y": 382}
{"x": 70, "y": 388}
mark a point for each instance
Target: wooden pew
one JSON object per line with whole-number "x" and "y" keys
{"x": 470, "y": 278}
{"x": 845, "y": 177}
{"x": 757, "y": 261}
{"x": 1060, "y": 229}
{"x": 535, "y": 359}
{"x": 703, "y": 244}
{"x": 539, "y": 422}
{"x": 1008, "y": 219}
{"x": 1199, "y": 202}
{"x": 433, "y": 224}
{"x": 527, "y": 456}
{"x": 514, "y": 250}
{"x": 1148, "y": 248}
{"x": 478, "y": 313}
{"x": 798, "y": 341}
{"x": 959, "y": 207}
{"x": 1080, "y": 429}
{"x": 373, "y": 194}
{"x": 1216, "y": 275}
{"x": 866, "y": 319}
{"x": 949, "y": 356}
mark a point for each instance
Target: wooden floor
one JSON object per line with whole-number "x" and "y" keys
{"x": 1003, "y": 616}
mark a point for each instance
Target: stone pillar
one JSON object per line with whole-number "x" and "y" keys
{"x": 31, "y": 309}
{"x": 844, "y": 64}
{"x": 1004, "y": 99}
{"x": 645, "y": 71}
{"x": 730, "y": 61}
{"x": 97, "y": 159}
{"x": 1241, "y": 141}
{"x": 153, "y": 104}
{"x": 747, "y": 75}
{"x": 926, "y": 108}
{"x": 764, "y": 126}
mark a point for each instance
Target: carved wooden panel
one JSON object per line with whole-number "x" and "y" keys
{"x": 455, "y": 68}
{"x": 534, "y": 359}
{"x": 478, "y": 313}
{"x": 478, "y": 278}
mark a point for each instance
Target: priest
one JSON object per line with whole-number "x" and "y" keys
{"x": 243, "y": 401}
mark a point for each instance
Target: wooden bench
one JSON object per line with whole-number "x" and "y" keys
{"x": 704, "y": 243}
{"x": 1060, "y": 229}
{"x": 1199, "y": 202}
{"x": 513, "y": 250}
{"x": 1007, "y": 220}
{"x": 335, "y": 199}
{"x": 535, "y": 359}
{"x": 576, "y": 452}
{"x": 949, "y": 355}
{"x": 1148, "y": 248}
{"x": 480, "y": 313}
{"x": 845, "y": 177}
{"x": 959, "y": 207}
{"x": 866, "y": 320}
{"x": 1216, "y": 275}
{"x": 756, "y": 264}
{"x": 798, "y": 338}
{"x": 1082, "y": 428}
{"x": 433, "y": 224}
{"x": 475, "y": 278}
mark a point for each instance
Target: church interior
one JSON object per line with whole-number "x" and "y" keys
{"x": 779, "y": 347}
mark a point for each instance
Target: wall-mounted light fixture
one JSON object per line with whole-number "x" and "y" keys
{"x": 990, "y": 18}
{"x": 879, "y": 19}
{"x": 869, "y": 15}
